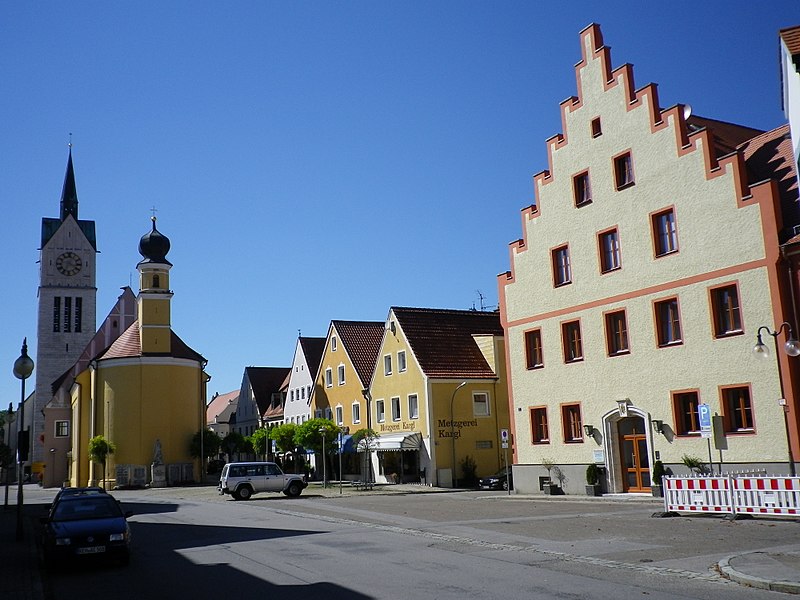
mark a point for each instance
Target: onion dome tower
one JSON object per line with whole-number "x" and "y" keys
{"x": 154, "y": 293}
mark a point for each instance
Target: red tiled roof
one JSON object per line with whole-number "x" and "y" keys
{"x": 266, "y": 381}
{"x": 442, "y": 340}
{"x": 219, "y": 403}
{"x": 791, "y": 37}
{"x": 769, "y": 156}
{"x": 313, "y": 347}
{"x": 362, "y": 342}
{"x": 727, "y": 136}
{"x": 128, "y": 345}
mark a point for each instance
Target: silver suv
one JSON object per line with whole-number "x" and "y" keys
{"x": 243, "y": 479}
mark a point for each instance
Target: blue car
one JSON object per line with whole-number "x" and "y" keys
{"x": 82, "y": 526}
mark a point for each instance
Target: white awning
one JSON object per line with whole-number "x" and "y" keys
{"x": 393, "y": 442}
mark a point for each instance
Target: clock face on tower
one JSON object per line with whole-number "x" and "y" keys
{"x": 69, "y": 263}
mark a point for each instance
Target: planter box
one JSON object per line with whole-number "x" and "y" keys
{"x": 594, "y": 490}
{"x": 552, "y": 489}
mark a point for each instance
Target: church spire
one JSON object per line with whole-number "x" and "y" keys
{"x": 69, "y": 193}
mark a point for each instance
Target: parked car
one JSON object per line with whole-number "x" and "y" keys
{"x": 74, "y": 491}
{"x": 242, "y": 480}
{"x": 498, "y": 481}
{"x": 86, "y": 524}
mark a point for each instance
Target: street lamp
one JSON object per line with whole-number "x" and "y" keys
{"x": 8, "y": 445}
{"x": 23, "y": 367}
{"x": 452, "y": 429}
{"x": 792, "y": 348}
{"x": 324, "y": 468}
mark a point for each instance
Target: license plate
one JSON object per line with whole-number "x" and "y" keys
{"x": 92, "y": 550}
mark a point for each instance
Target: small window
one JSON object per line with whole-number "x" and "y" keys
{"x": 156, "y": 281}
{"x": 571, "y": 338}
{"x": 56, "y": 314}
{"x": 67, "y": 314}
{"x": 597, "y": 129}
{"x": 687, "y": 417}
{"x": 571, "y": 421}
{"x": 562, "y": 273}
{"x": 291, "y": 395}
{"x": 480, "y": 404}
{"x": 539, "y": 430}
{"x": 380, "y": 411}
{"x": 668, "y": 322}
{"x": 413, "y": 406}
{"x": 725, "y": 307}
{"x": 78, "y": 315}
{"x": 396, "y": 409}
{"x": 339, "y": 415}
{"x": 616, "y": 333}
{"x": 356, "y": 412}
{"x": 581, "y": 189}
{"x": 401, "y": 360}
{"x": 387, "y": 364}
{"x": 328, "y": 377}
{"x": 610, "y": 259}
{"x": 737, "y": 410}
{"x": 340, "y": 371}
{"x": 534, "y": 356}
{"x": 62, "y": 428}
{"x": 302, "y": 392}
{"x": 623, "y": 171}
{"x": 665, "y": 233}
{"x": 333, "y": 344}
{"x": 328, "y": 413}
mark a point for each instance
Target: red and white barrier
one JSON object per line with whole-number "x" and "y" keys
{"x": 732, "y": 494}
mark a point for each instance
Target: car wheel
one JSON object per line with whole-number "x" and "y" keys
{"x": 243, "y": 493}
{"x": 293, "y": 490}
{"x": 505, "y": 485}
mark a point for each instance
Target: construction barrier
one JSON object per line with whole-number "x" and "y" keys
{"x": 732, "y": 494}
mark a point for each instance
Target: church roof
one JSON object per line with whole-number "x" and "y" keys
{"x": 128, "y": 345}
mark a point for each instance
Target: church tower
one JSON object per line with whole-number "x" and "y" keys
{"x": 154, "y": 293}
{"x": 67, "y": 300}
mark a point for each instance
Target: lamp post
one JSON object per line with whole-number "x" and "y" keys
{"x": 8, "y": 445}
{"x": 452, "y": 429}
{"x": 792, "y": 348}
{"x": 23, "y": 367}
{"x": 324, "y": 467}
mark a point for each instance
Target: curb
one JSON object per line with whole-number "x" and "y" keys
{"x": 729, "y": 572}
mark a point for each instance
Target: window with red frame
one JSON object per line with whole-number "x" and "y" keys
{"x": 668, "y": 322}
{"x": 539, "y": 431}
{"x": 562, "y": 272}
{"x": 571, "y": 337}
{"x": 727, "y": 316}
{"x": 616, "y": 333}
{"x": 738, "y": 410}
{"x": 571, "y": 421}
{"x": 623, "y": 171}
{"x": 609, "y": 251}
{"x": 534, "y": 357}
{"x": 665, "y": 233}
{"x": 581, "y": 189}
{"x": 687, "y": 418}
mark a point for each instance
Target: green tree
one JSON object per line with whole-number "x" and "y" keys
{"x": 99, "y": 450}
{"x": 232, "y": 443}
{"x": 367, "y": 436}
{"x": 259, "y": 441}
{"x": 211, "y": 444}
{"x": 309, "y": 435}
{"x": 283, "y": 435}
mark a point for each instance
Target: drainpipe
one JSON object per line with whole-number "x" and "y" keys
{"x": 93, "y": 366}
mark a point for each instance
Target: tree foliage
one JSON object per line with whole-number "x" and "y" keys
{"x": 99, "y": 450}
{"x": 309, "y": 435}
{"x": 211, "y": 444}
{"x": 259, "y": 441}
{"x": 284, "y": 435}
{"x": 235, "y": 442}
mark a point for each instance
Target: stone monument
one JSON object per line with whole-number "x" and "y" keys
{"x": 158, "y": 472}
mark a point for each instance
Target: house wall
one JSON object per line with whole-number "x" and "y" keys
{"x": 724, "y": 237}
{"x": 791, "y": 97}
{"x": 301, "y": 384}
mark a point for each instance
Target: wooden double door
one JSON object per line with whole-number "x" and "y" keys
{"x": 634, "y": 454}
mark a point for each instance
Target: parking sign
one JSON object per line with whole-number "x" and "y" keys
{"x": 704, "y": 414}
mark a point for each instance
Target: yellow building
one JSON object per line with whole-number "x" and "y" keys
{"x": 145, "y": 394}
{"x": 439, "y": 396}
{"x": 344, "y": 374}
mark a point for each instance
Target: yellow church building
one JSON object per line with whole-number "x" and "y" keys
{"x": 145, "y": 393}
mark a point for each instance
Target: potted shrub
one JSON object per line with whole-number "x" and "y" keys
{"x": 593, "y": 485}
{"x": 658, "y": 473}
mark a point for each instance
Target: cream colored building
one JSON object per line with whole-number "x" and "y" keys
{"x": 646, "y": 268}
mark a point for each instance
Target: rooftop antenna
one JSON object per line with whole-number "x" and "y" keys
{"x": 481, "y": 296}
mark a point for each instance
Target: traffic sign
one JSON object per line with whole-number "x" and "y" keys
{"x": 704, "y": 415}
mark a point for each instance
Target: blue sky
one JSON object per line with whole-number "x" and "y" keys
{"x": 312, "y": 161}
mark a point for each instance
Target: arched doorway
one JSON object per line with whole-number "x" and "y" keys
{"x": 634, "y": 456}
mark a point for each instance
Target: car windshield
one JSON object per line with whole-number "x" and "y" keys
{"x": 95, "y": 507}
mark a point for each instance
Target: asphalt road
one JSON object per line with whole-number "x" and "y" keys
{"x": 189, "y": 542}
